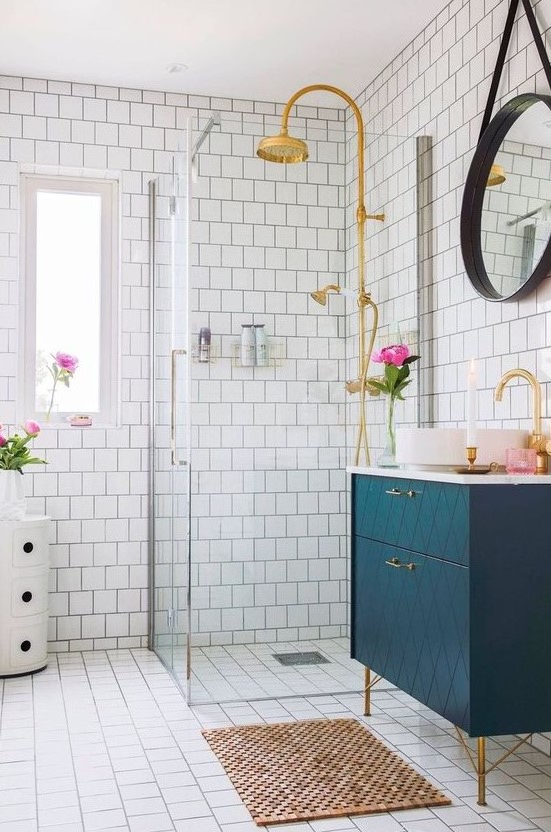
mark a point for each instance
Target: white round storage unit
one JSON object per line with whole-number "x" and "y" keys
{"x": 24, "y": 564}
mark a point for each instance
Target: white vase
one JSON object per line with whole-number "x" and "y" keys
{"x": 12, "y": 495}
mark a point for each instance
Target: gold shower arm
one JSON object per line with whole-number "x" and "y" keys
{"x": 361, "y": 214}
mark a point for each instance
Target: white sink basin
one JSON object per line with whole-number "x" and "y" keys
{"x": 439, "y": 448}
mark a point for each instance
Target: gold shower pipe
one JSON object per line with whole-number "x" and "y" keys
{"x": 361, "y": 217}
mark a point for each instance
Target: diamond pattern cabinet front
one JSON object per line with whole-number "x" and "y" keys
{"x": 412, "y": 624}
{"x": 467, "y": 631}
{"x": 427, "y": 517}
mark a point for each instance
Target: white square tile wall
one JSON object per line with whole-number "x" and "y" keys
{"x": 268, "y": 528}
{"x": 263, "y": 238}
{"x": 438, "y": 86}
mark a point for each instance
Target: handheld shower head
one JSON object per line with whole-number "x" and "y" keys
{"x": 320, "y": 295}
{"x": 282, "y": 148}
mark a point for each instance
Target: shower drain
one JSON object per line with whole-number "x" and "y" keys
{"x": 290, "y": 659}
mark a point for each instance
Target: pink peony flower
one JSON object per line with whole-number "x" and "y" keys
{"x": 395, "y": 354}
{"x": 66, "y": 362}
{"x": 3, "y": 441}
{"x": 31, "y": 428}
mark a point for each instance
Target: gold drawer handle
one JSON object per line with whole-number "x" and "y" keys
{"x": 395, "y": 492}
{"x": 399, "y": 565}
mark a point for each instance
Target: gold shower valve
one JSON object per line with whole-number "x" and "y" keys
{"x": 355, "y": 386}
{"x": 379, "y": 217}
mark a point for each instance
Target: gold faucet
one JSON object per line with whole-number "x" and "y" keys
{"x": 537, "y": 439}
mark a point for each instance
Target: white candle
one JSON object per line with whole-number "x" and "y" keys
{"x": 471, "y": 406}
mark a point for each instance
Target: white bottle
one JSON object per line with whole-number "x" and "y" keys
{"x": 248, "y": 348}
{"x": 261, "y": 346}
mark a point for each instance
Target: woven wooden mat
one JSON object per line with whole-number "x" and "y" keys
{"x": 313, "y": 769}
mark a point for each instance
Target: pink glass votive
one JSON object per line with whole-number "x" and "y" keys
{"x": 520, "y": 461}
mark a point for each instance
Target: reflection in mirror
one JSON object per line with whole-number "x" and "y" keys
{"x": 516, "y": 214}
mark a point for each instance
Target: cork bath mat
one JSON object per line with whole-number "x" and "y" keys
{"x": 313, "y": 769}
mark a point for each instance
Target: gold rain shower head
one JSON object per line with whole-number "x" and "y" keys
{"x": 496, "y": 176}
{"x": 283, "y": 148}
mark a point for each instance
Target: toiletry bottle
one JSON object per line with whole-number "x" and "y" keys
{"x": 204, "y": 345}
{"x": 261, "y": 346}
{"x": 248, "y": 349}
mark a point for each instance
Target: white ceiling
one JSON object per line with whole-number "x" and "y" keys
{"x": 233, "y": 48}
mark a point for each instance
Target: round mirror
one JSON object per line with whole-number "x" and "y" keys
{"x": 506, "y": 211}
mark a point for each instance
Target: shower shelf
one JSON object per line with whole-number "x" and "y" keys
{"x": 276, "y": 355}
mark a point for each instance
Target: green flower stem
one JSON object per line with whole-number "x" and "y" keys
{"x": 390, "y": 425}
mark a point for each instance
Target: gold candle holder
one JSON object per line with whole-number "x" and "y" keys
{"x": 471, "y": 455}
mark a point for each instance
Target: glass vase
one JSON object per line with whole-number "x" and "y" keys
{"x": 388, "y": 456}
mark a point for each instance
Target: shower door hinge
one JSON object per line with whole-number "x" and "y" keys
{"x": 171, "y": 618}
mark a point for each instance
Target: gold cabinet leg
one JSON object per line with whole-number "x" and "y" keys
{"x": 481, "y": 771}
{"x": 367, "y": 692}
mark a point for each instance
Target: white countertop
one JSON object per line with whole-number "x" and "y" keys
{"x": 450, "y": 476}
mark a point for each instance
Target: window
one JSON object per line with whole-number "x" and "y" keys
{"x": 70, "y": 295}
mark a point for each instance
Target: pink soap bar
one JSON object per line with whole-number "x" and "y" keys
{"x": 81, "y": 421}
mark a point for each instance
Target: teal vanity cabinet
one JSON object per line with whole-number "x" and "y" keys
{"x": 451, "y": 594}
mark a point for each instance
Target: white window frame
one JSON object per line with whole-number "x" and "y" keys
{"x": 108, "y": 190}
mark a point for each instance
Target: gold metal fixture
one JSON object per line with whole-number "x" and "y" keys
{"x": 471, "y": 455}
{"x": 368, "y": 684}
{"x": 287, "y": 149}
{"x": 537, "y": 439}
{"x": 283, "y": 148}
{"x": 496, "y": 176}
{"x": 398, "y": 564}
{"x": 395, "y": 492}
{"x": 479, "y": 762}
{"x": 320, "y": 296}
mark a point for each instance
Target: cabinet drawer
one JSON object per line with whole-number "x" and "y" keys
{"x": 30, "y": 545}
{"x": 30, "y": 595}
{"x": 428, "y": 517}
{"x": 27, "y": 647}
{"x": 411, "y": 625}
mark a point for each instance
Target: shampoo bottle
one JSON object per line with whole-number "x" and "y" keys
{"x": 248, "y": 348}
{"x": 204, "y": 345}
{"x": 261, "y": 346}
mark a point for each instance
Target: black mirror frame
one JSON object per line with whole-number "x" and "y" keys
{"x": 471, "y": 209}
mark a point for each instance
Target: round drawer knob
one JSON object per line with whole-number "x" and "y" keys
{"x": 27, "y": 596}
{"x": 28, "y": 547}
{"x": 25, "y": 646}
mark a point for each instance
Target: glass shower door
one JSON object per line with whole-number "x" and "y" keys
{"x": 170, "y": 469}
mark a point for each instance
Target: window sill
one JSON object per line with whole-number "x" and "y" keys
{"x": 68, "y": 426}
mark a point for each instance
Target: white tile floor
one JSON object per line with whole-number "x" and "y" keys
{"x": 104, "y": 741}
{"x": 249, "y": 671}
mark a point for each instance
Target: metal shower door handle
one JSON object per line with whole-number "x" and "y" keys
{"x": 173, "y": 376}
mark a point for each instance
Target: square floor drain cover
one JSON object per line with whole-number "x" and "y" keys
{"x": 311, "y": 657}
